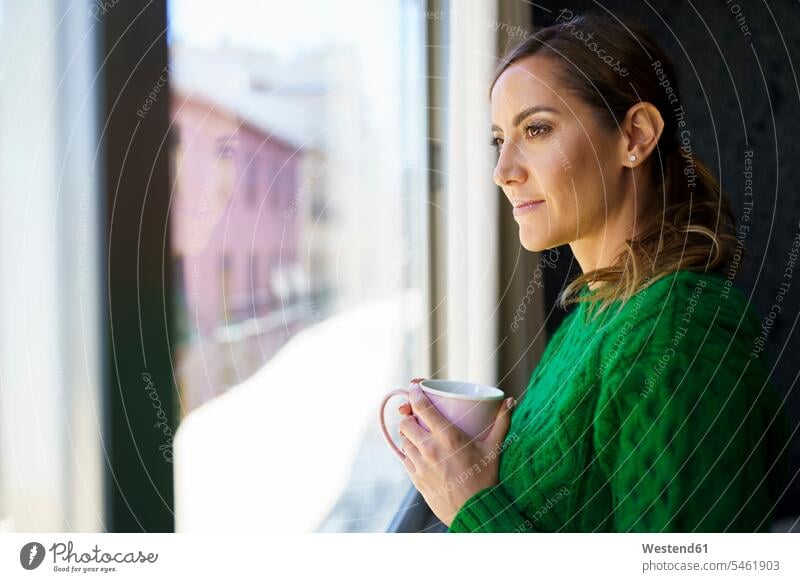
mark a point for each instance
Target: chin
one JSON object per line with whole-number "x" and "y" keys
{"x": 535, "y": 244}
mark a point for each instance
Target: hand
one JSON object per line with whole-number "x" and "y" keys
{"x": 446, "y": 466}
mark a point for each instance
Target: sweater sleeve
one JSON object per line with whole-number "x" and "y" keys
{"x": 682, "y": 431}
{"x": 491, "y": 510}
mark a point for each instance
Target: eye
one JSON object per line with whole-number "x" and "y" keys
{"x": 495, "y": 143}
{"x": 532, "y": 130}
{"x": 538, "y": 128}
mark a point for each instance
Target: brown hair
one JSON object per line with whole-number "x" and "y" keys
{"x": 692, "y": 226}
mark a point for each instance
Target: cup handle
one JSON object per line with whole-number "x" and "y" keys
{"x": 386, "y": 435}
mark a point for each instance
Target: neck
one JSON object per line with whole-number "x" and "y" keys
{"x": 594, "y": 253}
{"x": 601, "y": 248}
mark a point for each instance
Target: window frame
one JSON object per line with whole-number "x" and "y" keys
{"x": 139, "y": 494}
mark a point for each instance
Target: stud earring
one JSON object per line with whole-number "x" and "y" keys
{"x": 632, "y": 158}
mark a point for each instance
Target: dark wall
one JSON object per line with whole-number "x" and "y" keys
{"x": 741, "y": 91}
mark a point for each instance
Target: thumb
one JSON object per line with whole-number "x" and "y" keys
{"x": 501, "y": 423}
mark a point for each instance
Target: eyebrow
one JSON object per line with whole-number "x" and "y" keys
{"x": 528, "y": 112}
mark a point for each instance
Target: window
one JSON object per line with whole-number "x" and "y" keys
{"x": 276, "y": 186}
{"x": 252, "y": 182}
{"x": 337, "y": 116}
{"x": 253, "y": 265}
{"x": 224, "y": 147}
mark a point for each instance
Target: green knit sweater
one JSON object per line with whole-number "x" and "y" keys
{"x": 656, "y": 416}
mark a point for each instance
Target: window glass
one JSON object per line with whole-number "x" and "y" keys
{"x": 297, "y": 224}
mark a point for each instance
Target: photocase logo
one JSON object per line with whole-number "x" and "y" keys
{"x": 31, "y": 555}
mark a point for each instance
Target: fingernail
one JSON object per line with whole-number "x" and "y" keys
{"x": 510, "y": 402}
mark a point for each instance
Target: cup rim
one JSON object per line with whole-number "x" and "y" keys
{"x": 498, "y": 396}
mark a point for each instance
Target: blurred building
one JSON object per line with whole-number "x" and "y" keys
{"x": 242, "y": 147}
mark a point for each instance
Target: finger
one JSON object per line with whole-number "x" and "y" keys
{"x": 405, "y": 408}
{"x": 424, "y": 408}
{"x": 409, "y": 464}
{"x": 502, "y": 422}
{"x": 410, "y": 429}
{"x": 412, "y": 453}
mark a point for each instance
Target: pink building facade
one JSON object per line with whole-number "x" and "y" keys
{"x": 234, "y": 243}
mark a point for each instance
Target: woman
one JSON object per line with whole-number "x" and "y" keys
{"x": 650, "y": 409}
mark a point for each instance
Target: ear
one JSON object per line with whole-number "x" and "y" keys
{"x": 641, "y": 130}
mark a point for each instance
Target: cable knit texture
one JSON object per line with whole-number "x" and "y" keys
{"x": 658, "y": 416}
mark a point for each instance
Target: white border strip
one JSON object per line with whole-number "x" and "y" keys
{"x": 472, "y": 202}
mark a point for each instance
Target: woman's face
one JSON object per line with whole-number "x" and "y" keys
{"x": 557, "y": 153}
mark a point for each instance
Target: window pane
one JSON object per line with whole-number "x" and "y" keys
{"x": 298, "y": 237}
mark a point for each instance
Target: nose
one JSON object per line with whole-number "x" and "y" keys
{"x": 508, "y": 171}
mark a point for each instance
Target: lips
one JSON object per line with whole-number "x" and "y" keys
{"x": 526, "y": 206}
{"x": 525, "y": 203}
